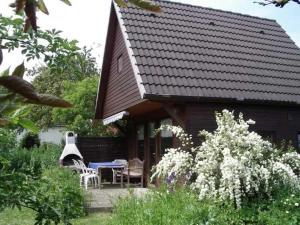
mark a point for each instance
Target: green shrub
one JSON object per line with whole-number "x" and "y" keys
{"x": 33, "y": 162}
{"x": 183, "y": 207}
{"x": 60, "y": 194}
{"x": 30, "y": 140}
{"x": 32, "y": 179}
{"x": 7, "y": 139}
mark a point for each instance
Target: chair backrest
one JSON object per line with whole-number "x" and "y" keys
{"x": 82, "y": 164}
{"x": 136, "y": 165}
{"x": 76, "y": 164}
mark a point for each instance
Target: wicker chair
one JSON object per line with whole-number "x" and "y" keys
{"x": 135, "y": 170}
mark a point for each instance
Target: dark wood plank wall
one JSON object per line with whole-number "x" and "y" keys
{"x": 102, "y": 149}
{"x": 121, "y": 91}
{"x": 284, "y": 122}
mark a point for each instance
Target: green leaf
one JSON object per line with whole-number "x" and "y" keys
{"x": 8, "y": 109}
{"x": 41, "y": 5}
{"x": 21, "y": 112}
{"x": 5, "y": 73}
{"x": 67, "y": 2}
{"x": 50, "y": 100}
{"x": 19, "y": 71}
{"x": 147, "y": 5}
{"x": 19, "y": 86}
{"x": 121, "y": 3}
{"x": 18, "y": 21}
{"x": 29, "y": 125}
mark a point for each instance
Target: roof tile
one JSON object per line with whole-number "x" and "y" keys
{"x": 180, "y": 53}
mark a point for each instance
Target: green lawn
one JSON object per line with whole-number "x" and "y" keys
{"x": 26, "y": 217}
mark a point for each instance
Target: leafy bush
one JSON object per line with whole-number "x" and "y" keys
{"x": 32, "y": 179}
{"x": 30, "y": 140}
{"x": 183, "y": 206}
{"x": 33, "y": 162}
{"x": 232, "y": 163}
{"x": 7, "y": 139}
{"x": 60, "y": 195}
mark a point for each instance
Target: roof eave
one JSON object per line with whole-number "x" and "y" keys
{"x": 105, "y": 64}
{"x": 132, "y": 59}
{"x": 201, "y": 99}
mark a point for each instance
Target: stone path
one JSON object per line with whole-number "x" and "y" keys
{"x": 102, "y": 200}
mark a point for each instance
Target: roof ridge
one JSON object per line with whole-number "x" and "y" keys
{"x": 213, "y": 9}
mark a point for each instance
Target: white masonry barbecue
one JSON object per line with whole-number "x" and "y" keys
{"x": 70, "y": 150}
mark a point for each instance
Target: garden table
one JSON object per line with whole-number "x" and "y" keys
{"x": 106, "y": 165}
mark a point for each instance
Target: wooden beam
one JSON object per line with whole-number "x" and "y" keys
{"x": 157, "y": 149}
{"x": 146, "y": 154}
{"x": 173, "y": 112}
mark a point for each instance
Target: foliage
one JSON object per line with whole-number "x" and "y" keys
{"x": 60, "y": 195}
{"x": 31, "y": 6}
{"x": 83, "y": 66}
{"x": 7, "y": 139}
{"x": 47, "y": 45}
{"x": 232, "y": 163}
{"x": 31, "y": 179}
{"x": 183, "y": 207}
{"x": 277, "y": 3}
{"x": 16, "y": 94}
{"x": 30, "y": 140}
{"x": 26, "y": 217}
{"x": 75, "y": 68}
{"x": 79, "y": 119}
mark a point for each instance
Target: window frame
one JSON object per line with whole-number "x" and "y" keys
{"x": 120, "y": 63}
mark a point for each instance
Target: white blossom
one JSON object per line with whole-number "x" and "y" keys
{"x": 231, "y": 164}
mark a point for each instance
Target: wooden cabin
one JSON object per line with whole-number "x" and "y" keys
{"x": 180, "y": 66}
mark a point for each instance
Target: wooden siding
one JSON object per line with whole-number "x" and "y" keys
{"x": 121, "y": 88}
{"x": 102, "y": 149}
{"x": 284, "y": 122}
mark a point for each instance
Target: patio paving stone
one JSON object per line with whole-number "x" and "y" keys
{"x": 102, "y": 200}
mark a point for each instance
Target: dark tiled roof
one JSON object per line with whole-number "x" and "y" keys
{"x": 192, "y": 51}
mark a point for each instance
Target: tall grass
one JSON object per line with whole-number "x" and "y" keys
{"x": 182, "y": 207}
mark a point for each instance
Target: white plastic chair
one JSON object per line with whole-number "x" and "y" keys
{"x": 80, "y": 171}
{"x": 87, "y": 174}
{"x": 90, "y": 170}
{"x": 117, "y": 173}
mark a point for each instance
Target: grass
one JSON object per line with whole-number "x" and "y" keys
{"x": 26, "y": 217}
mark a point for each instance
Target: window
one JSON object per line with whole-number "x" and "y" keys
{"x": 141, "y": 141}
{"x": 166, "y": 136}
{"x": 120, "y": 63}
{"x": 166, "y": 133}
{"x": 298, "y": 140}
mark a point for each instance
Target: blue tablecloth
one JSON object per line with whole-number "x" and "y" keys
{"x": 112, "y": 165}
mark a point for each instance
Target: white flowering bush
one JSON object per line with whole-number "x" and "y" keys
{"x": 232, "y": 163}
{"x": 175, "y": 165}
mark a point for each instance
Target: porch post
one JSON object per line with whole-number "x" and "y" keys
{"x": 157, "y": 149}
{"x": 146, "y": 154}
{"x": 132, "y": 141}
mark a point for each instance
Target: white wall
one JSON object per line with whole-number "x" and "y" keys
{"x": 52, "y": 135}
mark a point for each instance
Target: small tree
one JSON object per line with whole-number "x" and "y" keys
{"x": 80, "y": 118}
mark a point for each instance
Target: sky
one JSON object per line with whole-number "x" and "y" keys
{"x": 87, "y": 20}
